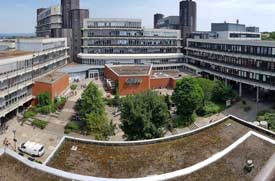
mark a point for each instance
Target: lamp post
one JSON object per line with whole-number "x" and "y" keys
{"x": 14, "y": 139}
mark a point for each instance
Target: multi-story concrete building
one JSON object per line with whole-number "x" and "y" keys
{"x": 67, "y": 6}
{"x": 248, "y": 63}
{"x": 77, "y": 17}
{"x": 124, "y": 41}
{"x": 49, "y": 21}
{"x": 235, "y": 31}
{"x": 18, "y": 69}
{"x": 65, "y": 20}
{"x": 188, "y": 17}
{"x": 169, "y": 22}
{"x": 157, "y": 17}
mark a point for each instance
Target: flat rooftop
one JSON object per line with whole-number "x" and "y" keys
{"x": 50, "y": 78}
{"x": 12, "y": 54}
{"x": 176, "y": 74}
{"x": 130, "y": 69}
{"x": 134, "y": 161}
{"x": 11, "y": 169}
{"x": 231, "y": 167}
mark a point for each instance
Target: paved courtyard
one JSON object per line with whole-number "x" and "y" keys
{"x": 54, "y": 131}
{"x": 49, "y": 137}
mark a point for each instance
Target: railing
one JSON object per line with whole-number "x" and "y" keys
{"x": 15, "y": 88}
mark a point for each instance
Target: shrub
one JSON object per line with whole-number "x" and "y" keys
{"x": 73, "y": 87}
{"x": 60, "y": 103}
{"x": 39, "y": 123}
{"x": 209, "y": 108}
{"x": 269, "y": 117}
{"x": 38, "y": 161}
{"x": 45, "y": 109}
{"x": 29, "y": 114}
{"x": 67, "y": 131}
{"x": 73, "y": 126}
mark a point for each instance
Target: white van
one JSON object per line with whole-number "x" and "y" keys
{"x": 32, "y": 148}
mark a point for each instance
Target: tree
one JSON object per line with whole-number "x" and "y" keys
{"x": 91, "y": 109}
{"x": 144, "y": 116}
{"x": 188, "y": 97}
{"x": 99, "y": 126}
{"x": 207, "y": 88}
{"x": 44, "y": 99}
{"x": 222, "y": 92}
{"x": 168, "y": 101}
{"x": 73, "y": 87}
{"x": 91, "y": 101}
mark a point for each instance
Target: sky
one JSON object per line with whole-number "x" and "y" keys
{"x": 19, "y": 16}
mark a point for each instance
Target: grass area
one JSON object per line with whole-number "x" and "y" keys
{"x": 12, "y": 169}
{"x": 39, "y": 123}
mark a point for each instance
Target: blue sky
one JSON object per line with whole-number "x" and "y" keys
{"x": 19, "y": 15}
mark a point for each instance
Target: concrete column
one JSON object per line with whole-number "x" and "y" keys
{"x": 240, "y": 89}
{"x": 226, "y": 82}
{"x": 258, "y": 94}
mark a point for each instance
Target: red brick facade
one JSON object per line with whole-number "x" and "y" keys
{"x": 146, "y": 82}
{"x": 55, "y": 89}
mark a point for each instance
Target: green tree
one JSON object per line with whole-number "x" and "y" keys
{"x": 207, "y": 88}
{"x": 99, "y": 126}
{"x": 188, "y": 97}
{"x": 44, "y": 99}
{"x": 222, "y": 92}
{"x": 90, "y": 101}
{"x": 91, "y": 109}
{"x": 144, "y": 116}
{"x": 168, "y": 101}
{"x": 73, "y": 87}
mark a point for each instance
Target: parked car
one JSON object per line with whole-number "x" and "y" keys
{"x": 32, "y": 148}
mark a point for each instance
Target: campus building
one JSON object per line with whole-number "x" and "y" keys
{"x": 64, "y": 20}
{"x": 133, "y": 79}
{"x": 169, "y": 22}
{"x": 33, "y": 58}
{"x": 49, "y": 21}
{"x": 188, "y": 17}
{"x": 55, "y": 83}
{"x": 240, "y": 61}
{"x": 235, "y": 31}
{"x": 124, "y": 41}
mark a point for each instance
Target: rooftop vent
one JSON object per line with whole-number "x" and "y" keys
{"x": 74, "y": 148}
{"x": 249, "y": 166}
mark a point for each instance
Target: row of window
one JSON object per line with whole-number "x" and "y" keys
{"x": 243, "y": 49}
{"x": 243, "y": 62}
{"x": 21, "y": 65}
{"x": 130, "y": 43}
{"x": 129, "y": 50}
{"x": 234, "y": 72}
